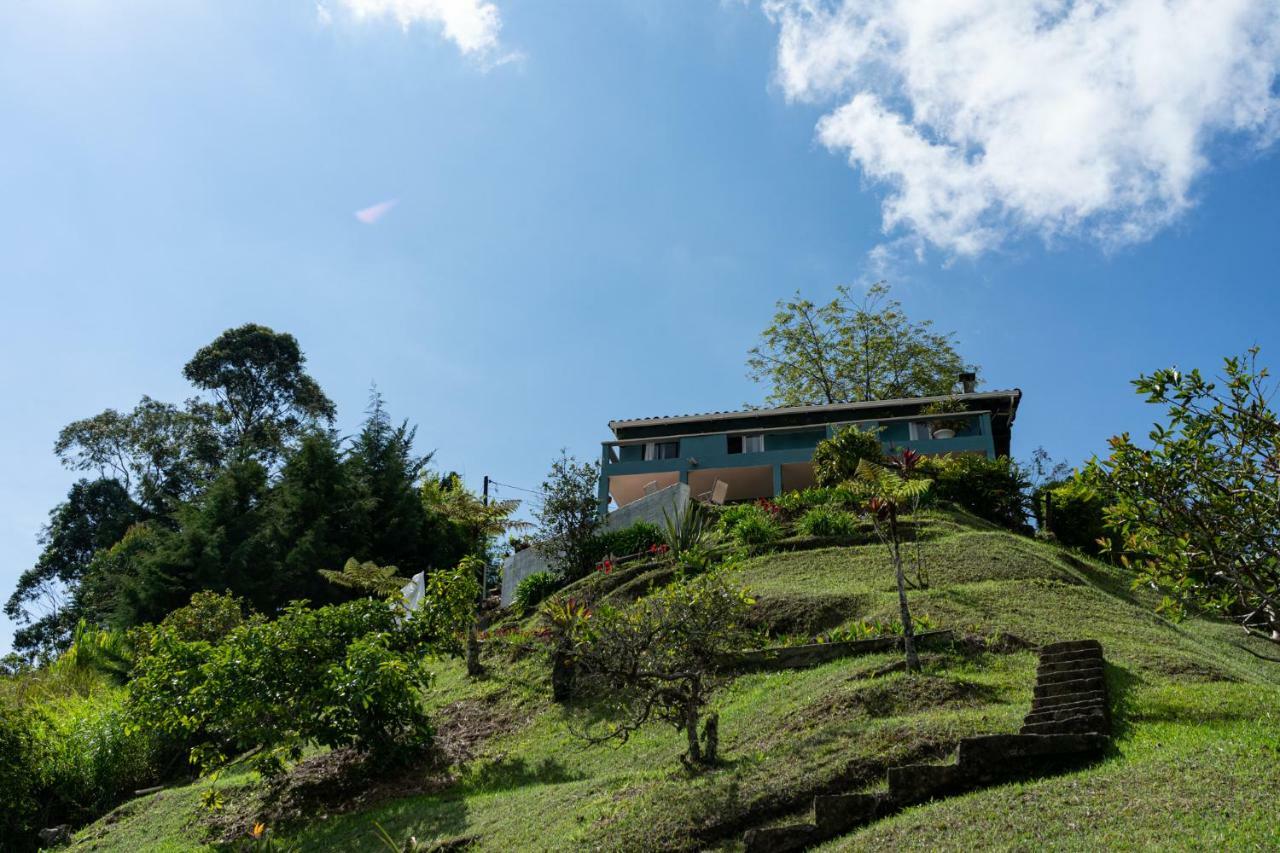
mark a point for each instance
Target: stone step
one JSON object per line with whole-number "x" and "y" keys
{"x": 1046, "y": 702}
{"x": 918, "y": 783}
{"x": 780, "y": 839}
{"x": 995, "y": 755}
{"x": 835, "y": 814}
{"x": 1068, "y": 656}
{"x": 1063, "y": 688}
{"x": 1071, "y": 646}
{"x": 1093, "y": 671}
{"x": 1078, "y": 724}
{"x": 1068, "y": 663}
{"x": 1071, "y": 709}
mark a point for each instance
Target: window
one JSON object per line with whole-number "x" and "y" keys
{"x": 746, "y": 443}
{"x": 661, "y": 450}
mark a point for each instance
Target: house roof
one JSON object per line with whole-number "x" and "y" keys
{"x": 1013, "y": 395}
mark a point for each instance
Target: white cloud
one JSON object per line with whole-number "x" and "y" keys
{"x": 988, "y": 119}
{"x": 371, "y": 214}
{"x": 472, "y": 25}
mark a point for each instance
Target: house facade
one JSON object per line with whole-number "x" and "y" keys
{"x": 764, "y": 452}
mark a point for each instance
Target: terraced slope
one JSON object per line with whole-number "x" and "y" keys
{"x": 1197, "y": 731}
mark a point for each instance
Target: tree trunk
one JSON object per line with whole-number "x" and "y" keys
{"x": 473, "y": 652}
{"x": 691, "y": 732}
{"x": 711, "y": 739}
{"x": 562, "y": 674}
{"x": 908, "y": 631}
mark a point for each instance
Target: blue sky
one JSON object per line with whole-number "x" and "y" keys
{"x": 597, "y": 205}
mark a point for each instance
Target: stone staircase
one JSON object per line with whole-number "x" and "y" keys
{"x": 1069, "y": 723}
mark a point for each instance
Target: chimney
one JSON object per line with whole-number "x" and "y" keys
{"x": 968, "y": 382}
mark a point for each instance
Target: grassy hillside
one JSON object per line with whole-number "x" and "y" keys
{"x": 1198, "y": 734}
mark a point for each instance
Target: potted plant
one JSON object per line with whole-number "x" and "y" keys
{"x": 942, "y": 426}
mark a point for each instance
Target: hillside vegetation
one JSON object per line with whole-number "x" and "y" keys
{"x": 1197, "y": 730}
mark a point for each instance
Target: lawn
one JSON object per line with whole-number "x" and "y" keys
{"x": 1197, "y": 742}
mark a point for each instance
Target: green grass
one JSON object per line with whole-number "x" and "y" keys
{"x": 1198, "y": 737}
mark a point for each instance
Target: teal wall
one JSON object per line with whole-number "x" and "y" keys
{"x": 712, "y": 451}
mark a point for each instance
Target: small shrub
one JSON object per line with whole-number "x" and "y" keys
{"x": 827, "y": 521}
{"x": 835, "y": 459}
{"x": 994, "y": 489}
{"x": 1075, "y": 515}
{"x": 636, "y": 539}
{"x": 754, "y": 528}
{"x": 18, "y": 763}
{"x": 534, "y": 589}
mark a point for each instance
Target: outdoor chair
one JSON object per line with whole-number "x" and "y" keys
{"x": 717, "y": 494}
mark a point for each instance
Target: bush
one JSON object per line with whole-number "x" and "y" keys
{"x": 636, "y": 539}
{"x": 827, "y": 520}
{"x": 343, "y": 675}
{"x": 835, "y": 460}
{"x": 751, "y": 526}
{"x": 1074, "y": 514}
{"x": 534, "y": 589}
{"x": 993, "y": 489}
{"x": 18, "y": 763}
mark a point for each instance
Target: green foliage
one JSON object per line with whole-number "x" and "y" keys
{"x": 534, "y": 589}
{"x": 827, "y": 520}
{"x": 1198, "y": 512}
{"x": 993, "y": 489}
{"x": 847, "y": 351}
{"x": 569, "y": 515}
{"x": 209, "y": 616}
{"x": 658, "y": 659}
{"x": 369, "y": 578}
{"x": 939, "y": 411}
{"x": 751, "y": 526}
{"x": 341, "y": 675}
{"x": 836, "y": 459}
{"x": 94, "y": 517}
{"x": 263, "y": 396}
{"x": 96, "y": 650}
{"x": 18, "y": 780}
{"x": 1074, "y": 511}
{"x": 638, "y": 538}
{"x": 688, "y": 529}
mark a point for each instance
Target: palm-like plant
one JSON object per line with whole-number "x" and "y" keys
{"x": 481, "y": 520}
{"x": 891, "y": 493}
{"x": 381, "y": 581}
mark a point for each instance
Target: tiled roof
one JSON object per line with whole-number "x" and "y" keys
{"x": 1014, "y": 393}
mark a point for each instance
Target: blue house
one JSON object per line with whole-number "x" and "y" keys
{"x": 764, "y": 452}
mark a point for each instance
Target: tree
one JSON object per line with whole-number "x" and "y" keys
{"x": 569, "y": 515}
{"x": 159, "y": 453}
{"x": 94, "y": 517}
{"x": 660, "y": 659}
{"x": 891, "y": 494}
{"x": 263, "y": 397}
{"x": 1198, "y": 512}
{"x": 836, "y": 459}
{"x": 847, "y": 351}
{"x": 481, "y": 521}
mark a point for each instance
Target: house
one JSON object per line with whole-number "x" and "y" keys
{"x": 764, "y": 452}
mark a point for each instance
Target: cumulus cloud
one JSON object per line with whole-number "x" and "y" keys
{"x": 987, "y": 119}
{"x": 472, "y": 25}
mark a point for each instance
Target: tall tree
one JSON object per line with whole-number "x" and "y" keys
{"x": 263, "y": 397}
{"x": 161, "y": 454}
{"x": 1198, "y": 512}
{"x": 849, "y": 351}
{"x": 94, "y": 517}
{"x": 569, "y": 513}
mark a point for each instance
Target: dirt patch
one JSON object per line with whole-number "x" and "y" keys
{"x": 1185, "y": 669}
{"x": 344, "y": 780}
{"x": 890, "y": 698}
{"x": 803, "y": 614}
